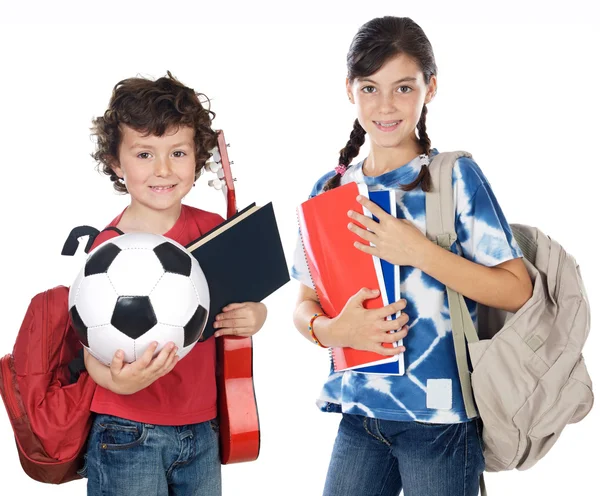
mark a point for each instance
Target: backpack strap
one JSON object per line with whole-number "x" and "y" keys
{"x": 72, "y": 241}
{"x": 439, "y": 208}
{"x": 95, "y": 237}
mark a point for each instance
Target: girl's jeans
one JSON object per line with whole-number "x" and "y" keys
{"x": 374, "y": 457}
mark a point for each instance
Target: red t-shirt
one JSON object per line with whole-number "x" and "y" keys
{"x": 188, "y": 394}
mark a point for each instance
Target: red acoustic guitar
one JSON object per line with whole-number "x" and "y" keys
{"x": 238, "y": 413}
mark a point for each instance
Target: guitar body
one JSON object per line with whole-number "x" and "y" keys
{"x": 238, "y": 414}
{"x": 239, "y": 437}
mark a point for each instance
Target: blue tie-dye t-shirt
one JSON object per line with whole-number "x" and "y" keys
{"x": 429, "y": 391}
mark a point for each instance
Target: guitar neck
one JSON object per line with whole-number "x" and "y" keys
{"x": 227, "y": 175}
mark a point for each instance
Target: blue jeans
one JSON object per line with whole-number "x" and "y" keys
{"x": 374, "y": 457}
{"x": 127, "y": 458}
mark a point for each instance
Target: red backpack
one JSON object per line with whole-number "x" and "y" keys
{"x": 46, "y": 390}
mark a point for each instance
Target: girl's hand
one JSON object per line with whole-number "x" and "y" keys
{"x": 364, "y": 329}
{"x": 129, "y": 378}
{"x": 397, "y": 241}
{"x": 241, "y": 319}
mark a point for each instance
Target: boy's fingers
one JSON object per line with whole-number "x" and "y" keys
{"x": 233, "y": 306}
{"x": 146, "y": 357}
{"x": 233, "y": 331}
{"x": 116, "y": 363}
{"x": 227, "y": 322}
{"x": 171, "y": 362}
{"x": 161, "y": 359}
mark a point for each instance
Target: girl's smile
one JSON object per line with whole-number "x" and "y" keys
{"x": 387, "y": 126}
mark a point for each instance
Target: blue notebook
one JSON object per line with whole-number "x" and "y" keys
{"x": 388, "y": 276}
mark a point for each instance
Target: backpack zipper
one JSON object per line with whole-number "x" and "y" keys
{"x": 44, "y": 332}
{"x": 14, "y": 410}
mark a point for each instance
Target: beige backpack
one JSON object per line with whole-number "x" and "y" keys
{"x": 528, "y": 377}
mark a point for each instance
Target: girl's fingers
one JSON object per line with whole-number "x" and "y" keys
{"x": 384, "y": 350}
{"x": 369, "y": 223}
{"x": 392, "y": 337}
{"x": 363, "y": 233}
{"x": 391, "y": 309}
{"x": 394, "y": 324}
{"x": 372, "y": 207}
{"x": 371, "y": 250}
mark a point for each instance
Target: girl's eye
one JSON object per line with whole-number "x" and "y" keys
{"x": 405, "y": 89}
{"x": 143, "y": 155}
{"x": 179, "y": 154}
{"x": 368, "y": 89}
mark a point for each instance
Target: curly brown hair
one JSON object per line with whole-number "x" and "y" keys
{"x": 151, "y": 107}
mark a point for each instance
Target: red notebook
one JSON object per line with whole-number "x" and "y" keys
{"x": 338, "y": 270}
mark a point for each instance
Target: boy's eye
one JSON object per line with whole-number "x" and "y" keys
{"x": 179, "y": 154}
{"x": 368, "y": 89}
{"x": 143, "y": 155}
{"x": 405, "y": 89}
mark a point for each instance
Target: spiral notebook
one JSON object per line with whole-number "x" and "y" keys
{"x": 330, "y": 252}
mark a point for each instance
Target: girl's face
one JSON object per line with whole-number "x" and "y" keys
{"x": 389, "y": 102}
{"x": 158, "y": 170}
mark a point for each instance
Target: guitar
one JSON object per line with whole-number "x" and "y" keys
{"x": 239, "y": 437}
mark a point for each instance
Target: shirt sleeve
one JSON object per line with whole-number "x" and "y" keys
{"x": 300, "y": 270}
{"x": 484, "y": 234}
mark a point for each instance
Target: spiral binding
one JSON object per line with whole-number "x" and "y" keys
{"x": 330, "y": 349}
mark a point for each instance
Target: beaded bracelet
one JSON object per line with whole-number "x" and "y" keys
{"x": 312, "y": 332}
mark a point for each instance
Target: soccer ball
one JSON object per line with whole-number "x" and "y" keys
{"x": 135, "y": 289}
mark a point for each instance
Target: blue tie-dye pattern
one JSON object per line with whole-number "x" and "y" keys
{"x": 484, "y": 237}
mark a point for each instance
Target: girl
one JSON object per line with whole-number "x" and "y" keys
{"x": 155, "y": 430}
{"x": 407, "y": 432}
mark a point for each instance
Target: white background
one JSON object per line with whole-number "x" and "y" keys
{"x": 517, "y": 88}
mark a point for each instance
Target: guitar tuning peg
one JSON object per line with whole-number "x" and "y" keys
{"x": 227, "y": 145}
{"x": 212, "y": 166}
{"x": 232, "y": 162}
{"x": 216, "y": 183}
{"x": 216, "y": 155}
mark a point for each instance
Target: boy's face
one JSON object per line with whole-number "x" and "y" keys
{"x": 158, "y": 170}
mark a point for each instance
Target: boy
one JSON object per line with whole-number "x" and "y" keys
{"x": 155, "y": 431}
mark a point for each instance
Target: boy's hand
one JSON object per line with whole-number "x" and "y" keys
{"x": 129, "y": 378}
{"x": 240, "y": 319}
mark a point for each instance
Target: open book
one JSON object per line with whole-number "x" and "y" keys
{"x": 242, "y": 259}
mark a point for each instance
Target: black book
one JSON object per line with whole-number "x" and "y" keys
{"x": 242, "y": 260}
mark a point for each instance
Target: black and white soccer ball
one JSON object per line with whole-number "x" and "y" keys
{"x": 135, "y": 289}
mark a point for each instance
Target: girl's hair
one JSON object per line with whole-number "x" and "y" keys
{"x": 151, "y": 107}
{"x": 376, "y": 42}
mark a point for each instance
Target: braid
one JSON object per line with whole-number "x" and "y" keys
{"x": 357, "y": 139}
{"x": 424, "y": 177}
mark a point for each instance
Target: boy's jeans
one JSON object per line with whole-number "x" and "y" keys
{"x": 127, "y": 458}
{"x": 374, "y": 457}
